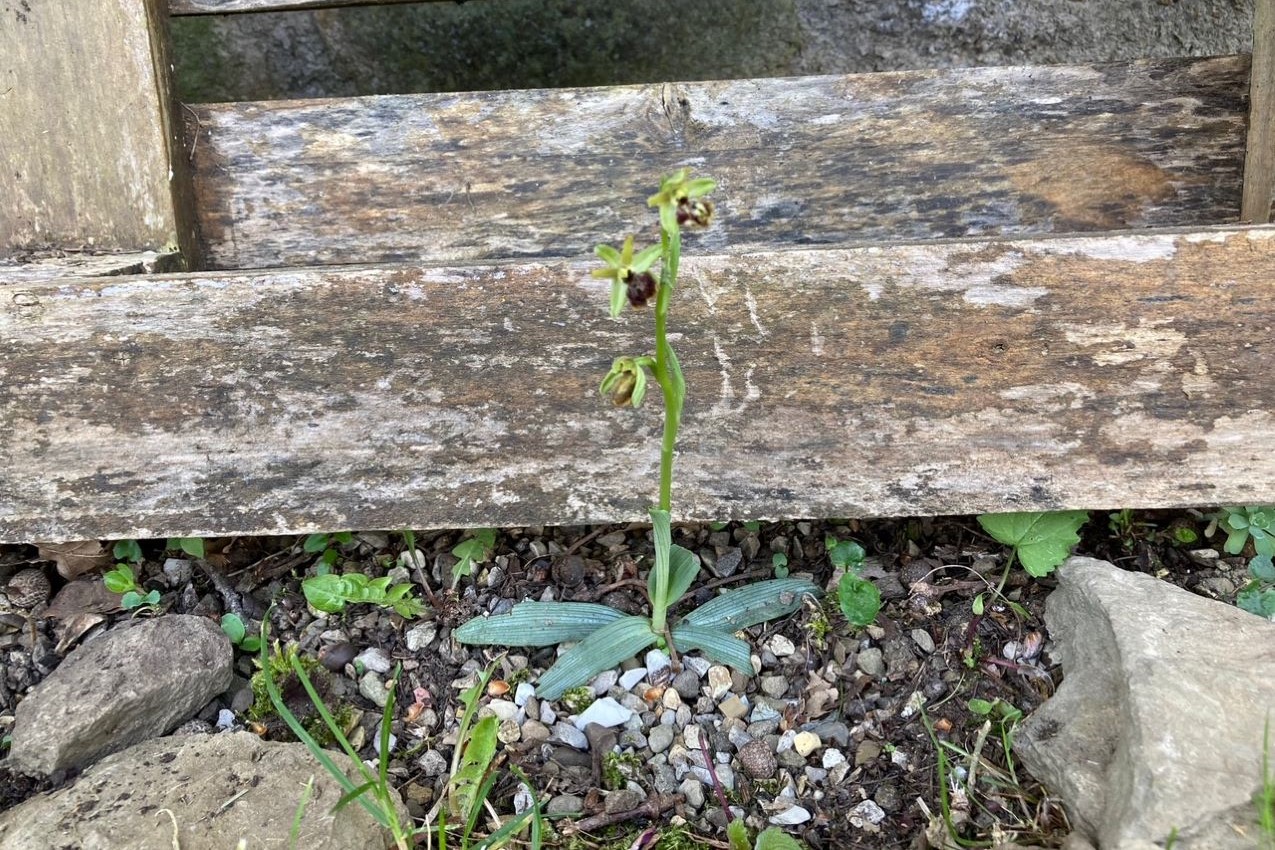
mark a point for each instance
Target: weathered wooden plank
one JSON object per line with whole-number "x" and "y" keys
{"x": 815, "y": 160}
{"x": 90, "y": 145}
{"x": 32, "y": 269}
{"x": 224, "y": 7}
{"x": 1097, "y": 372}
{"x": 1259, "y": 159}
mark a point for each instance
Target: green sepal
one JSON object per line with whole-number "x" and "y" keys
{"x": 720, "y": 646}
{"x": 645, "y": 259}
{"x": 619, "y": 297}
{"x": 752, "y": 604}
{"x": 604, "y": 649}
{"x": 538, "y": 624}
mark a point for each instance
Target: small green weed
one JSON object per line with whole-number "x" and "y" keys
{"x": 779, "y": 562}
{"x": 374, "y": 793}
{"x": 860, "y": 600}
{"x": 129, "y": 551}
{"x": 233, "y": 626}
{"x": 1265, "y": 797}
{"x": 122, "y": 580}
{"x": 618, "y": 769}
{"x": 330, "y": 593}
{"x": 192, "y": 546}
{"x": 473, "y": 550}
{"x": 1258, "y": 596}
{"x": 1253, "y": 523}
{"x": 1040, "y": 541}
{"x": 328, "y": 545}
{"x": 473, "y": 776}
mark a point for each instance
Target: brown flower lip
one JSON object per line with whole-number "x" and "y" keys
{"x": 641, "y": 288}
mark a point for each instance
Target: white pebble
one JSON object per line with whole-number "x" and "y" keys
{"x": 656, "y": 663}
{"x": 781, "y": 646}
{"x": 832, "y": 758}
{"x": 225, "y": 719}
{"x": 719, "y": 682}
{"x": 603, "y": 682}
{"x": 866, "y": 812}
{"x": 605, "y": 712}
{"x": 504, "y": 709}
{"x": 631, "y": 677}
{"x": 790, "y": 817}
{"x": 523, "y": 692}
{"x": 375, "y": 659}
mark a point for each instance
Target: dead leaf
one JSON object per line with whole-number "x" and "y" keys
{"x": 86, "y": 596}
{"x": 77, "y": 558}
{"x": 69, "y": 631}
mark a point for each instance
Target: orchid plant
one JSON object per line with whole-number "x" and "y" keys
{"x": 603, "y": 636}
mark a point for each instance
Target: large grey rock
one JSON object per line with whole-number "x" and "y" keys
{"x": 1158, "y": 724}
{"x": 197, "y": 792}
{"x": 135, "y": 682}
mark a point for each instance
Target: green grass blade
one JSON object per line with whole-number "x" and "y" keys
{"x": 352, "y": 795}
{"x": 507, "y": 831}
{"x": 604, "y": 649}
{"x": 476, "y": 809}
{"x": 294, "y": 834}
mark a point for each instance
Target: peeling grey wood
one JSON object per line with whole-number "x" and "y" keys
{"x": 1081, "y": 372}
{"x": 1259, "y": 159}
{"x": 90, "y": 145}
{"x": 223, "y": 7}
{"x": 33, "y": 269}
{"x": 801, "y": 161}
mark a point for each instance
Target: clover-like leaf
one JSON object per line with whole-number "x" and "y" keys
{"x": 1042, "y": 541}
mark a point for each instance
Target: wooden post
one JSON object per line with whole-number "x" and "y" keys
{"x": 1259, "y": 160}
{"x": 88, "y": 131}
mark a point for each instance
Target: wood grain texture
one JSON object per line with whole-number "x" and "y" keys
{"x": 225, "y": 7}
{"x": 801, "y": 161}
{"x": 34, "y": 269}
{"x": 1079, "y": 372}
{"x": 1259, "y": 159}
{"x": 87, "y": 130}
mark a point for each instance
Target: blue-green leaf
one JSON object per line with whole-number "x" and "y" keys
{"x": 538, "y": 624}
{"x": 722, "y": 647}
{"x": 752, "y": 604}
{"x": 602, "y": 650}
{"x": 657, "y": 583}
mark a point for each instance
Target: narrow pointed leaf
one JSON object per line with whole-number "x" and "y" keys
{"x": 602, "y": 650}
{"x": 619, "y": 297}
{"x": 720, "y": 646}
{"x": 683, "y": 568}
{"x": 538, "y": 624}
{"x": 646, "y": 258}
{"x": 748, "y": 606}
{"x": 466, "y": 782}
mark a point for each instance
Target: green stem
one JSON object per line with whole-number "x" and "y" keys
{"x": 668, "y": 372}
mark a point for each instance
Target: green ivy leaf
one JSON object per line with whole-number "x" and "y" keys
{"x": 192, "y": 546}
{"x": 859, "y": 599}
{"x": 475, "y": 549}
{"x": 1042, "y": 541}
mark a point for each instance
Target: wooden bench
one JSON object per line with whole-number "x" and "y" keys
{"x": 929, "y": 292}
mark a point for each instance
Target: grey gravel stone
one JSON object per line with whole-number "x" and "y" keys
{"x": 774, "y": 686}
{"x": 660, "y": 738}
{"x": 693, "y": 790}
{"x": 624, "y": 800}
{"x": 565, "y": 733}
{"x": 372, "y": 686}
{"x": 686, "y": 684}
{"x": 757, "y": 761}
{"x": 872, "y": 661}
{"x": 565, "y": 804}
{"x": 137, "y": 681}
{"x": 432, "y": 763}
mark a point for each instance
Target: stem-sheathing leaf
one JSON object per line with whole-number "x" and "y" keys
{"x": 602, "y": 650}
{"x": 538, "y": 624}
